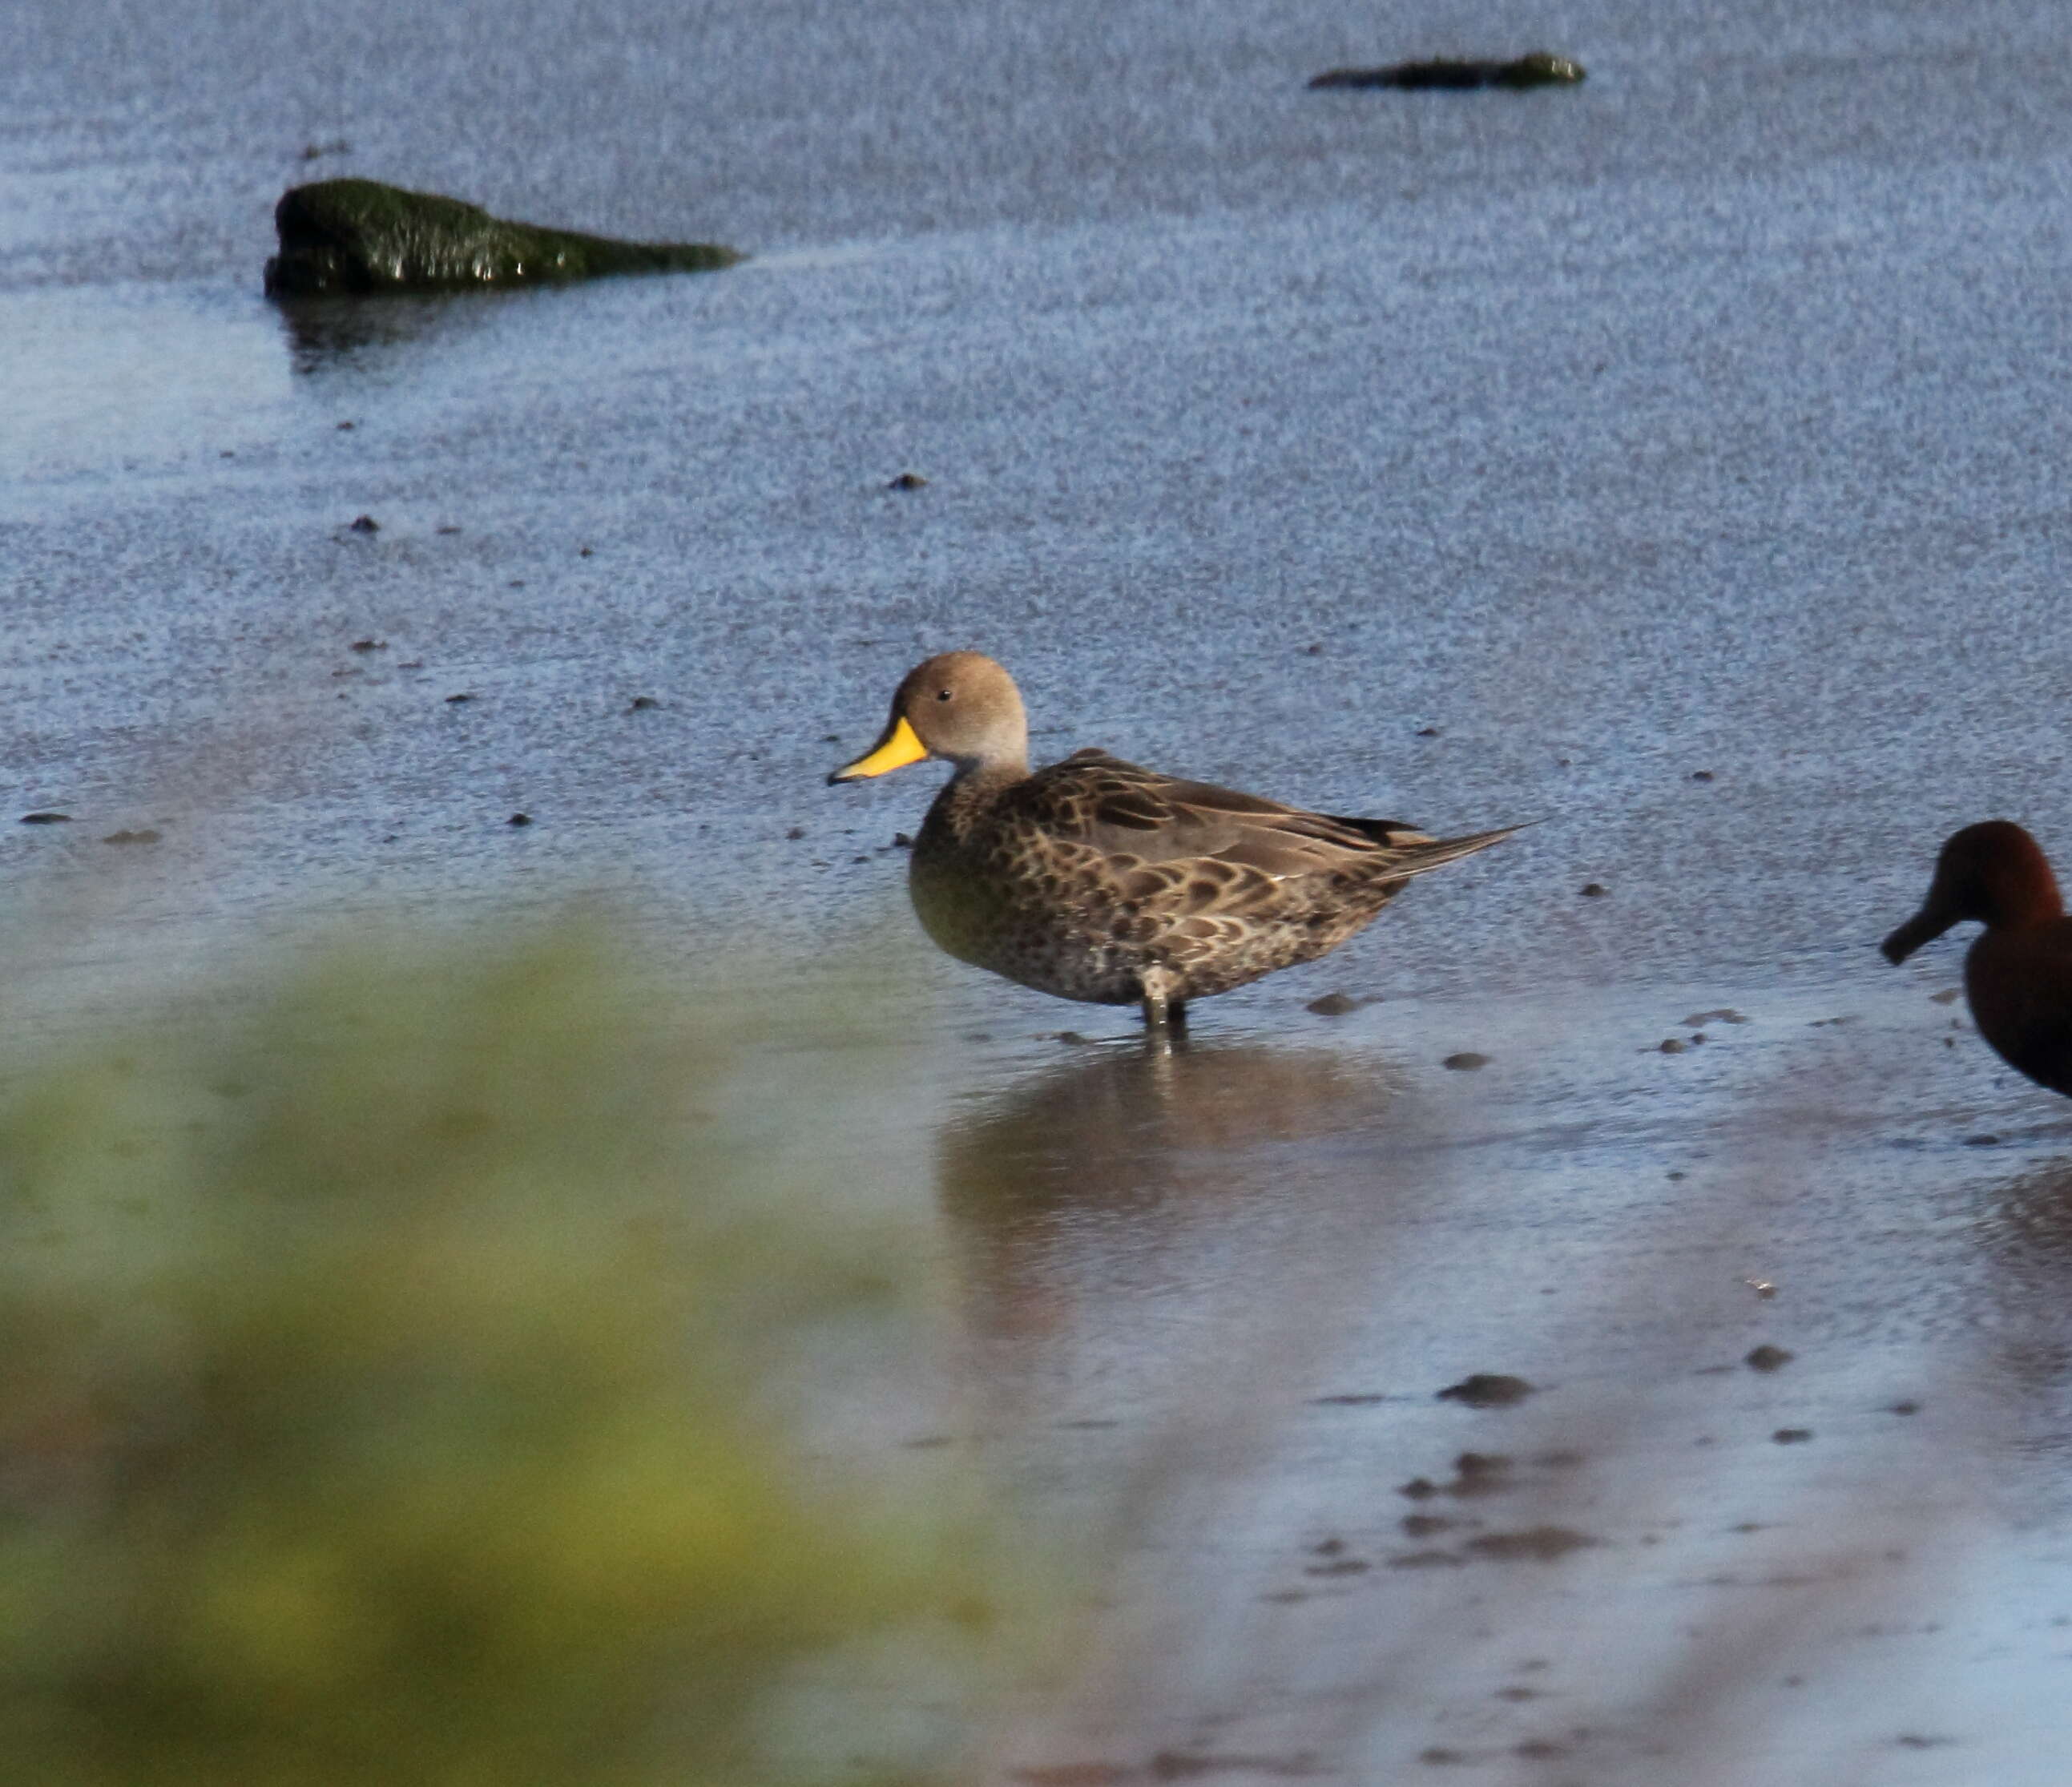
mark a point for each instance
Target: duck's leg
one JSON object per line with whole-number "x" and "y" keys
{"x": 1162, "y": 1009}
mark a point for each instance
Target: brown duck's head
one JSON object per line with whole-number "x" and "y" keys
{"x": 961, "y": 706}
{"x": 1994, "y": 872}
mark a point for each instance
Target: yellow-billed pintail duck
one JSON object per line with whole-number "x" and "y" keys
{"x": 1095, "y": 879}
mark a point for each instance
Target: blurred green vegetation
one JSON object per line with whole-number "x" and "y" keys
{"x": 390, "y": 1391}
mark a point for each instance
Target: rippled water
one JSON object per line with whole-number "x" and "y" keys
{"x": 1709, "y": 418}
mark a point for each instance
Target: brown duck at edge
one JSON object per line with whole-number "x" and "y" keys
{"x": 1095, "y": 880}
{"x": 2018, "y": 972}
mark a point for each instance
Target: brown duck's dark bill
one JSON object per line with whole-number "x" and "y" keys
{"x": 1924, "y": 926}
{"x": 897, "y": 747}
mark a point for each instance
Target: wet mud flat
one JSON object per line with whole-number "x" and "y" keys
{"x": 1645, "y": 463}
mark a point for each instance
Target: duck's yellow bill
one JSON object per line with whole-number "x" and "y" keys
{"x": 899, "y": 746}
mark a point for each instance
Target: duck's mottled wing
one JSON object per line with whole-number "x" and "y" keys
{"x": 1121, "y": 810}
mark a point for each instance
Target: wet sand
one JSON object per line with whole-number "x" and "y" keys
{"x": 1463, "y": 458}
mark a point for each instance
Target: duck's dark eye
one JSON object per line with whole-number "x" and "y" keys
{"x": 942, "y": 694}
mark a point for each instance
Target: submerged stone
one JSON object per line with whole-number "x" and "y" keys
{"x": 1536, "y": 69}
{"x": 360, "y": 236}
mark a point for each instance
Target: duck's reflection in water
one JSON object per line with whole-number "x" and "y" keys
{"x": 1138, "y": 1215}
{"x": 2027, "y": 1315}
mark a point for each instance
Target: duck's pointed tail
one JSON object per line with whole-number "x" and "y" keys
{"x": 1416, "y": 854}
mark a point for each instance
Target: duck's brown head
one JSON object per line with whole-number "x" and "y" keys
{"x": 961, "y": 707}
{"x": 1994, "y": 872}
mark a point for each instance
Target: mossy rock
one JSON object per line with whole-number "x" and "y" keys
{"x": 1536, "y": 69}
{"x": 360, "y": 236}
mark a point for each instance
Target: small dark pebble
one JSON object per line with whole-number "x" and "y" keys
{"x": 1913, "y": 1740}
{"x": 1672, "y": 1045}
{"x": 1418, "y": 1489}
{"x": 365, "y": 524}
{"x": 1428, "y": 732}
{"x": 519, "y": 819}
{"x": 1768, "y": 1358}
{"x": 1338, "y": 1566}
{"x": 1487, "y": 1389}
{"x": 641, "y": 703}
{"x": 1981, "y": 1141}
{"x": 908, "y": 480}
{"x": 902, "y": 842}
{"x": 1333, "y": 1005}
{"x": 1356, "y": 1399}
{"x": 452, "y": 699}
{"x": 1072, "y": 1036}
{"x": 1701, "y": 776}
{"x": 144, "y": 837}
{"x": 370, "y": 645}
{"x": 1328, "y": 1548}
{"x": 795, "y": 832}
{"x": 1466, "y": 1062}
{"x": 1542, "y": 1544}
{"x": 1595, "y": 890}
{"x": 1949, "y": 995}
{"x": 46, "y": 818}
{"x": 584, "y": 552}
{"x": 1792, "y": 1436}
{"x": 1423, "y": 1526}
{"x": 445, "y": 528}
{"x": 1908, "y": 1407}
{"x": 1725, "y": 1014}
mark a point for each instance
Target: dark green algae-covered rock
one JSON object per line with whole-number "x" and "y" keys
{"x": 360, "y": 236}
{"x": 1534, "y": 69}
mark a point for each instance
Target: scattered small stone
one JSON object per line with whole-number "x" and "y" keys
{"x": 1338, "y": 1566}
{"x": 1766, "y": 1357}
{"x": 1595, "y": 890}
{"x": 1360, "y": 1399}
{"x": 1487, "y": 1389}
{"x": 516, "y": 584}
{"x": 1073, "y": 1037}
{"x": 1542, "y": 1544}
{"x": 1981, "y": 1141}
{"x": 795, "y": 832}
{"x": 1949, "y": 995}
{"x": 1428, "y": 732}
{"x": 1466, "y": 1062}
{"x": 641, "y": 703}
{"x": 1540, "y": 1749}
{"x": 1423, "y": 1526}
{"x": 1677, "y": 1174}
{"x": 585, "y": 552}
{"x": 1434, "y": 1559}
{"x": 1726, "y": 1013}
{"x": 1910, "y": 1406}
{"x": 1328, "y": 1548}
{"x": 1312, "y": 651}
{"x": 908, "y": 480}
{"x": 365, "y": 524}
{"x": 146, "y": 836}
{"x": 453, "y": 700}
{"x": 369, "y": 645}
{"x": 445, "y": 527}
{"x": 1671, "y": 1045}
{"x": 902, "y": 842}
{"x": 1418, "y": 1489}
{"x": 1702, "y": 775}
{"x": 46, "y": 818}
{"x": 1333, "y": 1005}
{"x": 1792, "y": 1436}
{"x": 518, "y": 819}
{"x": 1913, "y": 1740}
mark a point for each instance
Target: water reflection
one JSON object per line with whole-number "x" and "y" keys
{"x": 1133, "y": 1193}
{"x": 2028, "y": 1234}
{"x": 321, "y": 332}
